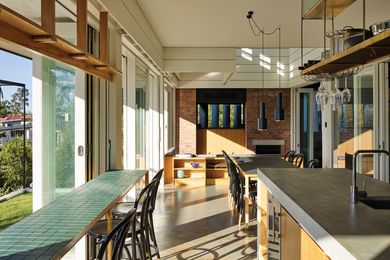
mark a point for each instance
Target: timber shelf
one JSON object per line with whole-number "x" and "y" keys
{"x": 333, "y": 8}
{"x": 190, "y": 169}
{"x": 368, "y": 51}
{"x": 203, "y": 175}
{"x": 20, "y": 30}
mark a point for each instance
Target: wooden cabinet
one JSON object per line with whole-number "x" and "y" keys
{"x": 213, "y": 141}
{"x": 295, "y": 242}
{"x": 210, "y": 170}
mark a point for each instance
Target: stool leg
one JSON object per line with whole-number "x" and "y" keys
{"x": 92, "y": 248}
{"x": 153, "y": 235}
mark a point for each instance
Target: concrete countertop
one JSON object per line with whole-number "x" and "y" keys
{"x": 319, "y": 200}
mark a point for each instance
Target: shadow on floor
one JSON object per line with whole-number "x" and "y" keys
{"x": 200, "y": 224}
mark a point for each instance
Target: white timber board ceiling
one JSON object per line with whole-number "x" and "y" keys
{"x": 223, "y": 23}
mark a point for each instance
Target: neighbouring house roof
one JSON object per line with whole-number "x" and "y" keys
{"x": 14, "y": 118}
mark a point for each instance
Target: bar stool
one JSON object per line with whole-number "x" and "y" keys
{"x": 289, "y": 155}
{"x": 298, "y": 160}
{"x": 231, "y": 182}
{"x": 141, "y": 232}
{"x": 118, "y": 236}
{"x": 313, "y": 164}
{"x": 121, "y": 208}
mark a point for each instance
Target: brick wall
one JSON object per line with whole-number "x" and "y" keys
{"x": 276, "y": 130}
{"x": 186, "y": 120}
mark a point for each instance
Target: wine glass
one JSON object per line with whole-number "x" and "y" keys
{"x": 346, "y": 93}
{"x": 322, "y": 96}
{"x": 336, "y": 95}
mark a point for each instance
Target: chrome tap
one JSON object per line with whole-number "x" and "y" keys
{"x": 355, "y": 193}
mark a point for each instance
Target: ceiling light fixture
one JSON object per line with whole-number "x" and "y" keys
{"x": 279, "y": 111}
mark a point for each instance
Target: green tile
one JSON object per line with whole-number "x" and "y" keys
{"x": 60, "y": 221}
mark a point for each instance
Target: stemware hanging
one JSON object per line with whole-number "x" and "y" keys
{"x": 336, "y": 95}
{"x": 346, "y": 93}
{"x": 322, "y": 96}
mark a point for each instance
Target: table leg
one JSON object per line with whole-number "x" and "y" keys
{"x": 147, "y": 178}
{"x": 109, "y": 229}
{"x": 246, "y": 197}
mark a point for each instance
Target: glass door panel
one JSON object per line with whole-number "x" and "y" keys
{"x": 60, "y": 125}
{"x": 140, "y": 115}
{"x": 305, "y": 125}
{"x": 355, "y": 122}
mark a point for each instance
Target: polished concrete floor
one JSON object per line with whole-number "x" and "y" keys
{"x": 198, "y": 223}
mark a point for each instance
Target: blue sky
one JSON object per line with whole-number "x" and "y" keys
{"x": 17, "y": 69}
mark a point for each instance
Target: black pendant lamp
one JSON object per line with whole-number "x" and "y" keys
{"x": 279, "y": 111}
{"x": 262, "y": 121}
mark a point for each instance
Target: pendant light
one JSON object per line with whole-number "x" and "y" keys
{"x": 262, "y": 120}
{"x": 279, "y": 111}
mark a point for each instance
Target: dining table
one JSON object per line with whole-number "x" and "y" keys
{"x": 249, "y": 164}
{"x": 50, "y": 232}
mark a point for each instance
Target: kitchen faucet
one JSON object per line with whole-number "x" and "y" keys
{"x": 355, "y": 193}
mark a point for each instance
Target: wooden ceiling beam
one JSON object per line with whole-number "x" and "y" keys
{"x": 48, "y": 16}
{"x": 103, "y": 39}
{"x": 82, "y": 25}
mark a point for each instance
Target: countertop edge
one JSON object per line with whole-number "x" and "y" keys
{"x": 329, "y": 244}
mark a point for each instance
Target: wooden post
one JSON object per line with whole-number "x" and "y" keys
{"x": 103, "y": 51}
{"x": 109, "y": 229}
{"x": 82, "y": 25}
{"x": 48, "y": 16}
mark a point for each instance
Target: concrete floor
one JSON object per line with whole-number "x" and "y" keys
{"x": 198, "y": 223}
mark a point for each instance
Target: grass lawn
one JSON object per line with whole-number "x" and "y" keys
{"x": 15, "y": 209}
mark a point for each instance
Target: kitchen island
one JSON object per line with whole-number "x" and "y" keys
{"x": 316, "y": 204}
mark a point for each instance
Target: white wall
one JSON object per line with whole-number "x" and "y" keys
{"x": 37, "y": 124}
{"x": 114, "y": 115}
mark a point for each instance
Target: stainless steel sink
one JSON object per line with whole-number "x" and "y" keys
{"x": 377, "y": 202}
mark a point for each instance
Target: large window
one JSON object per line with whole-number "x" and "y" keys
{"x": 59, "y": 127}
{"x": 354, "y": 125}
{"x": 15, "y": 141}
{"x": 218, "y": 108}
{"x": 141, "y": 101}
{"x": 220, "y": 116}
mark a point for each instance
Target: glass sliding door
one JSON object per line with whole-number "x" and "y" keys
{"x": 304, "y": 133}
{"x": 141, "y": 82}
{"x": 60, "y": 126}
{"x": 168, "y": 118}
{"x": 382, "y": 119}
{"x": 354, "y": 122}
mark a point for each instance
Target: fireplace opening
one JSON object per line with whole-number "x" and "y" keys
{"x": 268, "y": 149}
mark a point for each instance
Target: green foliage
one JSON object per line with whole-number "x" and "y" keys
{"x": 15, "y": 209}
{"x": 5, "y": 108}
{"x": 65, "y": 158}
{"x": 16, "y": 104}
{"x": 11, "y": 159}
{"x": 64, "y": 125}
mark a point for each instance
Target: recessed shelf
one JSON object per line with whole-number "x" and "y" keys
{"x": 368, "y": 51}
{"x": 190, "y": 169}
{"x": 190, "y": 178}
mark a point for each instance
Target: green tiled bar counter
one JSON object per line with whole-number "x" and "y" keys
{"x": 53, "y": 230}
